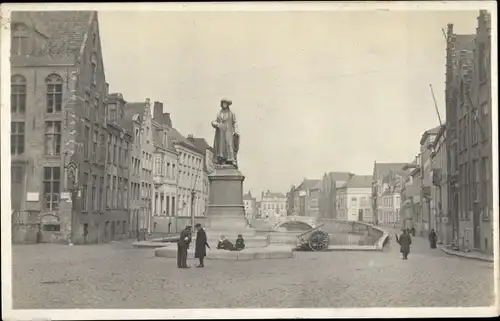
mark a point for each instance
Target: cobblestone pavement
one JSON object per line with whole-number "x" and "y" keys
{"x": 116, "y": 275}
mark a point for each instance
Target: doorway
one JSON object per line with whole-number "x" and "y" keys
{"x": 477, "y": 227}
{"x": 85, "y": 233}
{"x": 360, "y": 215}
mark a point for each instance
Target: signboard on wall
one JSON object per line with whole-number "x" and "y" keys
{"x": 302, "y": 193}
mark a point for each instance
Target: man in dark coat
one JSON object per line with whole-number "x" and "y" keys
{"x": 404, "y": 241}
{"x": 433, "y": 239}
{"x": 182, "y": 248}
{"x": 200, "y": 250}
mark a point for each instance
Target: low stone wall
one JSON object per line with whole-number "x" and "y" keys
{"x": 341, "y": 232}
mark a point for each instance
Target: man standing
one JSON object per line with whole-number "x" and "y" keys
{"x": 200, "y": 250}
{"x": 182, "y": 248}
{"x": 404, "y": 241}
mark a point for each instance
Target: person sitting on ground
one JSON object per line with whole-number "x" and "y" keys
{"x": 240, "y": 243}
{"x": 225, "y": 244}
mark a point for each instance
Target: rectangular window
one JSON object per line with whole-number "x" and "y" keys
{"x": 86, "y": 107}
{"x": 125, "y": 155}
{"x": 110, "y": 150}
{"x": 108, "y": 191}
{"x": 125, "y": 193}
{"x": 94, "y": 145}
{"x": 52, "y": 137}
{"x": 18, "y": 97}
{"x": 120, "y": 153}
{"x": 100, "y": 196}
{"x": 485, "y": 189}
{"x": 96, "y": 110}
{"x": 115, "y": 149}
{"x": 85, "y": 200}
{"x": 54, "y": 98}
{"x": 51, "y": 187}
{"x": 86, "y": 142}
{"x": 17, "y": 138}
{"x": 113, "y": 193}
{"x": 94, "y": 193}
{"x": 19, "y": 45}
{"x": 119, "y": 194}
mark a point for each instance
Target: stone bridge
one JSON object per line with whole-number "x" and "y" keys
{"x": 299, "y": 221}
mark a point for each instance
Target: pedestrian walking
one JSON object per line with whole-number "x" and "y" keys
{"x": 404, "y": 241}
{"x": 433, "y": 239}
{"x": 200, "y": 250}
{"x": 182, "y": 248}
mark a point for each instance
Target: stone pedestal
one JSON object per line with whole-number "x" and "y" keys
{"x": 226, "y": 211}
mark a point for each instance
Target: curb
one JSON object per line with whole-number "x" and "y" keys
{"x": 456, "y": 253}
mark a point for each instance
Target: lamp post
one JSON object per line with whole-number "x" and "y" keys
{"x": 193, "y": 194}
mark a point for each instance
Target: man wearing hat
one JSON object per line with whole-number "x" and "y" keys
{"x": 227, "y": 137}
{"x": 182, "y": 248}
{"x": 200, "y": 250}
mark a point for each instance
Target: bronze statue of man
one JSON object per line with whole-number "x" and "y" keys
{"x": 227, "y": 137}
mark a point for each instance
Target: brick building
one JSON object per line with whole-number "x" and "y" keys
{"x": 468, "y": 113}
{"x": 58, "y": 110}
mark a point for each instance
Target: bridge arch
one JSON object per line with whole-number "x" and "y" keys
{"x": 306, "y": 223}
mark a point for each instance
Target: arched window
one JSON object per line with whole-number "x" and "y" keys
{"x": 17, "y": 94}
{"x": 54, "y": 93}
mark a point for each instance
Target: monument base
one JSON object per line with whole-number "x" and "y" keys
{"x": 268, "y": 252}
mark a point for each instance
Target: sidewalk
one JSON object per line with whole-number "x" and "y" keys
{"x": 468, "y": 255}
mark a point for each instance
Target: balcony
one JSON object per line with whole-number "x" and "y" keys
{"x": 158, "y": 179}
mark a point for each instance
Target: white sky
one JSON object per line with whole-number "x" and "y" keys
{"x": 313, "y": 91}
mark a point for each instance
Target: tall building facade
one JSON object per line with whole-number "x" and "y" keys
{"x": 468, "y": 113}
{"x": 58, "y": 108}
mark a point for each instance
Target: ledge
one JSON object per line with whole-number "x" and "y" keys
{"x": 268, "y": 252}
{"x": 469, "y": 255}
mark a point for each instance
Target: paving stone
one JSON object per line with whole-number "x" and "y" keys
{"x": 48, "y": 276}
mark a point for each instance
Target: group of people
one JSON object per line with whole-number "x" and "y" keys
{"x": 201, "y": 245}
{"x": 404, "y": 241}
{"x": 225, "y": 244}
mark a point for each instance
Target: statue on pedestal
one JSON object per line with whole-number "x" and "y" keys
{"x": 227, "y": 137}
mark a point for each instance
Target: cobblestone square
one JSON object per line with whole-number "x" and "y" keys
{"x": 118, "y": 276}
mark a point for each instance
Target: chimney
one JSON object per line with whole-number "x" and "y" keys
{"x": 190, "y": 137}
{"x": 107, "y": 89}
{"x": 167, "y": 120}
{"x": 157, "y": 110}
